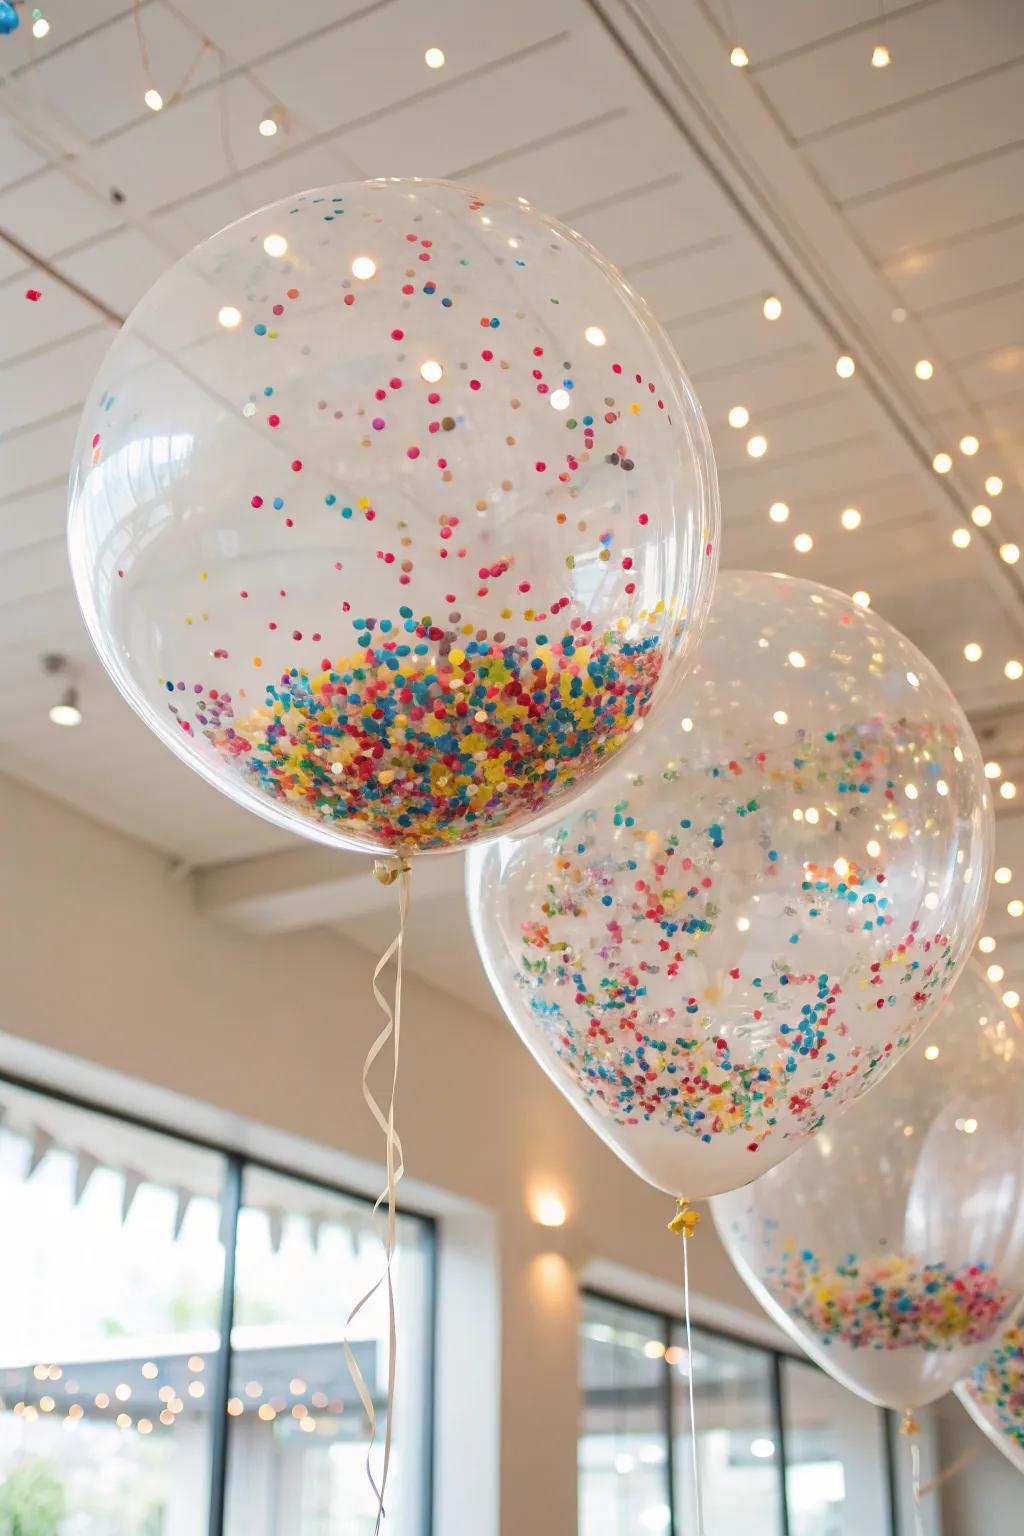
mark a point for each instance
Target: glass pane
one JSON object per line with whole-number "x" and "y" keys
{"x": 297, "y": 1432}
{"x": 737, "y": 1437}
{"x": 836, "y": 1478}
{"x": 110, "y": 1296}
{"x": 623, "y": 1448}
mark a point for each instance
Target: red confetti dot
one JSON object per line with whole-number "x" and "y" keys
{"x": 274, "y": 421}
{"x": 257, "y": 501}
{"x": 350, "y": 298}
{"x": 397, "y": 335}
{"x": 296, "y": 465}
{"x": 33, "y": 295}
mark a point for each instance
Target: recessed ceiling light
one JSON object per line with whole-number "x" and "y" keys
{"x": 969, "y": 445}
{"x": 739, "y": 416}
{"x": 942, "y": 463}
{"x": 981, "y": 515}
{"x": 757, "y": 446}
{"x": 881, "y": 58}
{"x": 961, "y": 537}
{"x": 778, "y": 512}
{"x": 434, "y": 58}
{"x": 850, "y": 519}
{"x": 772, "y": 307}
{"x": 803, "y": 543}
{"x": 739, "y": 58}
{"x": 924, "y": 369}
{"x": 862, "y": 599}
{"x": 994, "y": 486}
{"x": 845, "y": 366}
{"x": 154, "y": 101}
{"x": 229, "y": 316}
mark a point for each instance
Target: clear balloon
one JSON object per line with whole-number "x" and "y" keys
{"x": 993, "y": 1394}
{"x": 892, "y": 1247}
{"x": 720, "y": 949}
{"x": 393, "y": 512}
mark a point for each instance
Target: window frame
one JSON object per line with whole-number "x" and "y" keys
{"x": 778, "y": 1356}
{"x": 235, "y": 1164}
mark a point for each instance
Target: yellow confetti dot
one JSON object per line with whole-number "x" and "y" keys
{"x": 635, "y": 408}
{"x": 204, "y": 575}
{"x": 257, "y": 661}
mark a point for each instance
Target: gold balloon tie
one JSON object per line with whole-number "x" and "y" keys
{"x": 908, "y": 1424}
{"x": 685, "y": 1221}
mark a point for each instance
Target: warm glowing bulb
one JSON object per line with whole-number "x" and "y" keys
{"x": 969, "y": 445}
{"x": 845, "y": 366}
{"x": 1008, "y": 789}
{"x": 850, "y": 519}
{"x": 229, "y": 317}
{"x": 780, "y": 717}
{"x": 431, "y": 371}
{"x": 40, "y": 27}
{"x": 275, "y": 245}
{"x": 235, "y": 1407}
{"x": 841, "y": 867}
{"x": 560, "y": 399}
{"x": 874, "y": 847}
{"x": 931, "y": 1052}
{"x": 757, "y": 446}
{"x": 739, "y": 416}
{"x": 993, "y": 770}
{"x": 942, "y": 463}
{"x": 881, "y": 58}
{"x": 434, "y": 58}
{"x": 778, "y": 512}
{"x": 549, "y": 1211}
{"x": 268, "y": 127}
{"x": 595, "y": 336}
{"x": 986, "y": 944}
{"x": 150, "y": 1370}
{"x": 1014, "y": 670}
{"x": 995, "y": 973}
{"x": 154, "y": 101}
{"x": 981, "y": 515}
{"x": 1010, "y": 553}
{"x": 961, "y": 537}
{"x": 862, "y": 599}
{"x": 739, "y": 58}
{"x": 1003, "y": 875}
{"x": 1015, "y": 908}
{"x": 803, "y": 543}
{"x": 970, "y": 1125}
{"x": 924, "y": 369}
{"x": 797, "y": 659}
{"x": 993, "y": 485}
{"x": 1011, "y": 999}
{"x": 364, "y": 268}
{"x": 772, "y": 307}
{"x": 972, "y": 651}
{"x": 654, "y": 1349}
{"x": 65, "y": 713}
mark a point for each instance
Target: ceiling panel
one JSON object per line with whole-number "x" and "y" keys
{"x": 51, "y": 211}
{"x": 51, "y": 380}
{"x": 943, "y": 206}
{"x": 768, "y": 29}
{"x": 986, "y": 324}
{"x": 946, "y": 274}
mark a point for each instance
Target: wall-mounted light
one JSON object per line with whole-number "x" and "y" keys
{"x": 548, "y": 1210}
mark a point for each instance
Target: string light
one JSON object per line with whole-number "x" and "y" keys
{"x": 739, "y": 58}
{"x": 961, "y": 537}
{"x": 850, "y": 519}
{"x": 154, "y": 101}
{"x": 271, "y": 122}
{"x": 1003, "y": 875}
{"x": 803, "y": 543}
{"x": 1015, "y": 908}
{"x": 993, "y": 770}
{"x": 981, "y": 515}
{"x": 881, "y": 58}
{"x": 986, "y": 944}
{"x": 778, "y": 512}
{"x": 739, "y": 416}
{"x": 1011, "y": 999}
{"x": 924, "y": 369}
{"x": 757, "y": 446}
{"x": 431, "y": 371}
{"x": 972, "y": 651}
{"x": 1010, "y": 553}
{"x": 229, "y": 316}
{"x": 942, "y": 463}
{"x": 1014, "y": 669}
{"x": 995, "y": 973}
{"x": 434, "y": 58}
{"x": 845, "y": 366}
{"x": 1008, "y": 789}
{"x": 549, "y": 1211}
{"x": 275, "y": 245}
{"x": 862, "y": 599}
{"x": 40, "y": 25}
{"x": 931, "y": 1052}
{"x": 969, "y": 445}
{"x": 797, "y": 659}
{"x": 772, "y": 307}
{"x": 595, "y": 336}
{"x": 994, "y": 486}
{"x": 364, "y": 267}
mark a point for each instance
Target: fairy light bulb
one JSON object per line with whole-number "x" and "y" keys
{"x": 862, "y": 599}
{"x": 778, "y": 512}
{"x": 986, "y": 944}
{"x": 881, "y": 57}
{"x": 1010, "y": 553}
{"x": 972, "y": 651}
{"x": 994, "y": 486}
{"x": 961, "y": 537}
{"x": 772, "y": 307}
{"x": 363, "y": 268}
{"x": 942, "y": 463}
{"x": 969, "y": 445}
{"x": 434, "y": 58}
{"x": 993, "y": 770}
{"x": 739, "y": 416}
{"x": 924, "y": 369}
{"x": 757, "y": 446}
{"x": 850, "y": 519}
{"x": 154, "y": 101}
{"x": 845, "y": 366}
{"x": 40, "y": 25}
{"x": 739, "y": 58}
{"x": 1014, "y": 669}
{"x": 803, "y": 543}
{"x": 981, "y": 515}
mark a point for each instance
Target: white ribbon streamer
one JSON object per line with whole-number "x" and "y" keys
{"x": 697, "y": 1500}
{"x": 395, "y": 1169}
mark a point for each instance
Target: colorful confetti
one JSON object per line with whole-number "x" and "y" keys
{"x": 993, "y": 1394}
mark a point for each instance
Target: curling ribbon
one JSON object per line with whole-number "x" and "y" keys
{"x": 684, "y": 1224}
{"x": 387, "y": 872}
{"x": 909, "y": 1426}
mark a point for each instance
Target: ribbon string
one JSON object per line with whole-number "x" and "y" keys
{"x": 395, "y": 1169}
{"x": 915, "y": 1483}
{"x": 697, "y": 1499}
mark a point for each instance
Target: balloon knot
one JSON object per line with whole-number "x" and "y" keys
{"x": 685, "y": 1220}
{"x": 388, "y": 870}
{"x": 908, "y": 1424}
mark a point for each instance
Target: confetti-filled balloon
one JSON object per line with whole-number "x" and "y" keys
{"x": 719, "y": 948}
{"x": 393, "y": 513}
{"x": 892, "y": 1247}
{"x": 993, "y": 1394}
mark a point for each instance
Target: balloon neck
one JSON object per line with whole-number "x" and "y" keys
{"x": 684, "y": 1222}
{"x": 908, "y": 1424}
{"x": 388, "y": 870}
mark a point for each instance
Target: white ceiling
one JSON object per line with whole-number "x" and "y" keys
{"x": 851, "y": 192}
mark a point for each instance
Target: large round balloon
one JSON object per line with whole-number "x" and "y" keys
{"x": 993, "y": 1394}
{"x": 724, "y": 946}
{"x": 393, "y": 512}
{"x": 892, "y": 1247}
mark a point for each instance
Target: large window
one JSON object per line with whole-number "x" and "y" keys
{"x": 170, "y": 1339}
{"x": 782, "y": 1450}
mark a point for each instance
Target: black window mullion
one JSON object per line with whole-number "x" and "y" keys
{"x": 779, "y": 1407}
{"x": 230, "y": 1207}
